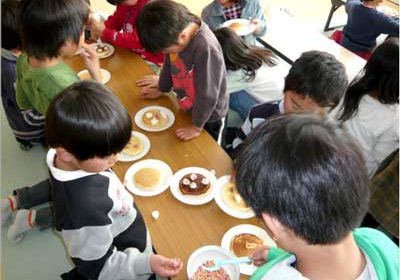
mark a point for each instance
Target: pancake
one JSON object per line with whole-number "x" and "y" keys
{"x": 102, "y": 50}
{"x": 135, "y": 146}
{"x": 236, "y": 26}
{"x": 243, "y": 244}
{"x": 86, "y": 75}
{"x": 147, "y": 178}
{"x": 194, "y": 184}
{"x": 232, "y": 198}
{"x": 155, "y": 119}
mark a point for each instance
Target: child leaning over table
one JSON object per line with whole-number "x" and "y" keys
{"x": 103, "y": 231}
{"x": 194, "y": 65}
{"x": 120, "y": 29}
{"x": 308, "y": 184}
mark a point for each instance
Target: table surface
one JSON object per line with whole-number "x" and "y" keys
{"x": 181, "y": 228}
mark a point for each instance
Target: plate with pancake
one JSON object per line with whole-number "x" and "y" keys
{"x": 242, "y": 239}
{"x": 193, "y": 185}
{"x": 229, "y": 200}
{"x": 137, "y": 147}
{"x": 103, "y": 50}
{"x": 148, "y": 177}
{"x": 241, "y": 26}
{"x": 154, "y": 118}
{"x": 104, "y": 75}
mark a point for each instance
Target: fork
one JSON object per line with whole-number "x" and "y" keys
{"x": 218, "y": 263}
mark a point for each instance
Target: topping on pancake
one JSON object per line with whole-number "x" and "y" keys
{"x": 194, "y": 184}
{"x": 155, "y": 119}
{"x": 243, "y": 244}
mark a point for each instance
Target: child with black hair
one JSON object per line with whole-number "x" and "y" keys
{"x": 315, "y": 84}
{"x": 120, "y": 29}
{"x": 50, "y": 30}
{"x": 370, "y": 107}
{"x": 194, "y": 65}
{"x": 253, "y": 75}
{"x": 27, "y": 125}
{"x": 307, "y": 182}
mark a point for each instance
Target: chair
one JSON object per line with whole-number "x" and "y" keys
{"x": 336, "y": 4}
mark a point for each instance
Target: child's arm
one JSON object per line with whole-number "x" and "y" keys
{"x": 92, "y": 63}
{"x": 149, "y": 89}
{"x": 259, "y": 20}
{"x": 165, "y": 267}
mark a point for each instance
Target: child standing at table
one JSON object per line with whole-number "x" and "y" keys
{"x": 194, "y": 65}
{"x": 120, "y": 29}
{"x": 27, "y": 125}
{"x": 308, "y": 184}
{"x": 41, "y": 73}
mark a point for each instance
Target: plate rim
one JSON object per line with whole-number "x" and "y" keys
{"x": 137, "y": 191}
{"x": 106, "y": 75}
{"x": 241, "y": 20}
{"x": 174, "y": 185}
{"x": 108, "y": 45}
{"x": 139, "y": 114}
{"x": 146, "y": 147}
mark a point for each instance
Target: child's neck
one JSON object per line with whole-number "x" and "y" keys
{"x": 339, "y": 261}
{"x": 66, "y": 166}
{"x": 45, "y": 62}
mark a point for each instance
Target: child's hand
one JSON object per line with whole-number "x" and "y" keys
{"x": 259, "y": 255}
{"x": 150, "y": 93}
{"x": 148, "y": 81}
{"x": 187, "y": 133}
{"x": 91, "y": 61}
{"x": 165, "y": 267}
{"x": 97, "y": 27}
{"x": 257, "y": 23}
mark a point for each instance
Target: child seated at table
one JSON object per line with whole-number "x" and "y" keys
{"x": 219, "y": 11}
{"x": 27, "y": 125}
{"x": 120, "y": 29}
{"x": 103, "y": 231}
{"x": 307, "y": 182}
{"x": 315, "y": 84}
{"x": 194, "y": 66}
{"x": 51, "y": 30}
{"x": 252, "y": 72}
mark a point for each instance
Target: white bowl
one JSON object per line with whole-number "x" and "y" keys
{"x": 211, "y": 252}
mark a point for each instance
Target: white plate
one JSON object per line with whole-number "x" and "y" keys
{"x": 139, "y": 118}
{"x": 211, "y": 252}
{"x": 193, "y": 199}
{"x": 104, "y": 74}
{"x": 222, "y": 181}
{"x": 247, "y": 269}
{"x": 110, "y": 52}
{"x": 246, "y": 29}
{"x": 153, "y": 163}
{"x": 388, "y": 11}
{"x": 146, "y": 147}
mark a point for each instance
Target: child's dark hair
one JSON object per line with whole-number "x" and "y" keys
{"x": 239, "y": 55}
{"x": 380, "y": 76}
{"x": 9, "y": 34}
{"x": 160, "y": 22}
{"x": 46, "y": 25}
{"x": 319, "y": 76}
{"x": 88, "y": 120}
{"x": 116, "y": 2}
{"x": 302, "y": 171}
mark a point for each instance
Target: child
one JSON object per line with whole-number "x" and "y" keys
{"x": 252, "y": 73}
{"x": 28, "y": 125}
{"x": 120, "y": 29}
{"x": 364, "y": 25}
{"x": 103, "y": 231}
{"x": 308, "y": 184}
{"x": 316, "y": 82}
{"x": 41, "y": 73}
{"x": 219, "y": 11}
{"x": 370, "y": 107}
{"x": 194, "y": 66}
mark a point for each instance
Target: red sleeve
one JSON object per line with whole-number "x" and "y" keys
{"x": 115, "y": 21}
{"x": 123, "y": 39}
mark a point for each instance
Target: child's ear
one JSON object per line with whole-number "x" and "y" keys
{"x": 64, "y": 155}
{"x": 274, "y": 226}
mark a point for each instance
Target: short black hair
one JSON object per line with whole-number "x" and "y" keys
{"x": 319, "y": 76}
{"x": 160, "y": 22}
{"x": 45, "y": 25}
{"x": 305, "y": 173}
{"x": 10, "y": 38}
{"x": 116, "y": 2}
{"x": 88, "y": 120}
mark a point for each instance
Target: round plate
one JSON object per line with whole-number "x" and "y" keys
{"x": 146, "y": 147}
{"x": 106, "y": 76}
{"x": 193, "y": 199}
{"x": 222, "y": 181}
{"x": 153, "y": 163}
{"x": 246, "y": 28}
{"x": 109, "y": 53}
{"x": 247, "y": 269}
{"x": 139, "y": 118}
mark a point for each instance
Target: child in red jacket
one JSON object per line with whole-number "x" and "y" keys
{"x": 120, "y": 29}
